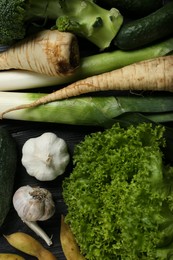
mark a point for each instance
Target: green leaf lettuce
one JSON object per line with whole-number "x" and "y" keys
{"x": 119, "y": 194}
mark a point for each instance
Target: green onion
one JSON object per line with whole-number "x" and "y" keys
{"x": 161, "y": 117}
{"x": 89, "y": 66}
{"x": 96, "y": 110}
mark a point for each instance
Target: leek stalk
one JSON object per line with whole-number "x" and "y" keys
{"x": 11, "y": 80}
{"x": 95, "y": 111}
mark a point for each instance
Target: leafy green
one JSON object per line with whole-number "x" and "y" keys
{"x": 119, "y": 194}
{"x": 82, "y": 17}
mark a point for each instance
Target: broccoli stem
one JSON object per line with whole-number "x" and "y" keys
{"x": 49, "y": 9}
{"x": 95, "y": 23}
{"x": 88, "y": 20}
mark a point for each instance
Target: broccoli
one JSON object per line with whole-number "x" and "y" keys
{"x": 119, "y": 195}
{"x": 91, "y": 21}
{"x": 81, "y": 17}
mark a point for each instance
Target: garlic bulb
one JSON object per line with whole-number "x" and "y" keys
{"x": 45, "y": 157}
{"x": 34, "y": 204}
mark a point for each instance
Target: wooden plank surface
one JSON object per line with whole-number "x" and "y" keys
{"x": 22, "y": 131}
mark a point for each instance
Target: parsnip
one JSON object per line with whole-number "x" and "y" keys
{"x": 150, "y": 75}
{"x": 48, "y": 52}
{"x": 89, "y": 66}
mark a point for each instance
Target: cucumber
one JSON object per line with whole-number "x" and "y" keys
{"x": 146, "y": 30}
{"x": 8, "y": 163}
{"x": 133, "y": 8}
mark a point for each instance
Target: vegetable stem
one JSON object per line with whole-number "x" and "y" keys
{"x": 89, "y": 66}
{"x": 151, "y": 75}
{"x": 39, "y": 231}
{"x": 96, "y": 110}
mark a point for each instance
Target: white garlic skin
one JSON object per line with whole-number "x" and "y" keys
{"x": 33, "y": 203}
{"x": 45, "y": 157}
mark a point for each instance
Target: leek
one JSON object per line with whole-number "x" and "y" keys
{"x": 92, "y": 65}
{"x": 95, "y": 111}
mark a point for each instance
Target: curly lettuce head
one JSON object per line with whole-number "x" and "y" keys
{"x": 119, "y": 194}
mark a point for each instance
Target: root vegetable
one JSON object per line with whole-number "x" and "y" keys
{"x": 154, "y": 74}
{"x": 48, "y": 52}
{"x": 29, "y": 245}
{"x": 89, "y": 66}
{"x": 68, "y": 242}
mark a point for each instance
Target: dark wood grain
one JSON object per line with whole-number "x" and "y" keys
{"x": 21, "y": 131}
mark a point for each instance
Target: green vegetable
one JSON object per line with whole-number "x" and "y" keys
{"x": 133, "y": 8}
{"x": 128, "y": 119}
{"x": 146, "y": 30}
{"x": 89, "y": 66}
{"x": 119, "y": 194}
{"x": 8, "y": 161}
{"x": 89, "y": 19}
{"x": 98, "y": 110}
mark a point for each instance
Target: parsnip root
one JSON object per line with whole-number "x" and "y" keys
{"x": 48, "y": 52}
{"x": 150, "y": 75}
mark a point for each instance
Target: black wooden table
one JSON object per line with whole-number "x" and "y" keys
{"x": 21, "y": 131}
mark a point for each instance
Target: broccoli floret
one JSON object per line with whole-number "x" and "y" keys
{"x": 82, "y": 17}
{"x": 11, "y": 21}
{"x": 88, "y": 20}
{"x": 16, "y": 15}
{"x": 119, "y": 195}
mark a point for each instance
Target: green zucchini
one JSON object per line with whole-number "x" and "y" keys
{"x": 133, "y": 8}
{"x": 146, "y": 30}
{"x": 8, "y": 163}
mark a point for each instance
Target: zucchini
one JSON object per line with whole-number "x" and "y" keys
{"x": 133, "y": 8}
{"x": 8, "y": 163}
{"x": 146, "y": 30}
